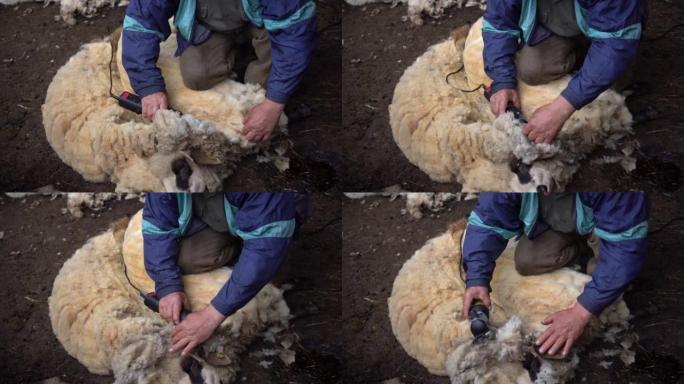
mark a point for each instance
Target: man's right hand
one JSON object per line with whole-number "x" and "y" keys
{"x": 170, "y": 306}
{"x": 154, "y": 102}
{"x": 473, "y": 293}
{"x": 499, "y": 101}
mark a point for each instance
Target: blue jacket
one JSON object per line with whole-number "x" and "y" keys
{"x": 266, "y": 222}
{"x": 291, "y": 25}
{"x": 614, "y": 27}
{"x": 619, "y": 220}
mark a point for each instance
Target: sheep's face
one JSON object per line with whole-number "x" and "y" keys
{"x": 189, "y": 369}
{"x": 530, "y": 178}
{"x": 197, "y": 371}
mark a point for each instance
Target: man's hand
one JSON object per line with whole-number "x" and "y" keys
{"x": 170, "y": 306}
{"x": 545, "y": 123}
{"x": 473, "y": 293}
{"x": 499, "y": 101}
{"x": 154, "y": 102}
{"x": 195, "y": 329}
{"x": 261, "y": 120}
{"x": 565, "y": 327}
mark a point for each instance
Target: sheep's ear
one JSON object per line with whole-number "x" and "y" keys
{"x": 119, "y": 228}
{"x": 459, "y": 35}
{"x": 457, "y": 228}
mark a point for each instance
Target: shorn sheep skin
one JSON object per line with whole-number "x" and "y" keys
{"x": 104, "y": 142}
{"x": 453, "y": 137}
{"x": 425, "y": 312}
{"x": 101, "y": 321}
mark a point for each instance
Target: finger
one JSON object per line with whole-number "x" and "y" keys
{"x": 466, "y": 305}
{"x": 548, "y": 140}
{"x": 191, "y": 345}
{"x": 526, "y": 129}
{"x": 557, "y": 345}
{"x": 568, "y": 346}
{"x": 175, "y": 312}
{"x": 487, "y": 302}
{"x": 175, "y": 331}
{"x": 164, "y": 103}
{"x": 548, "y": 319}
{"x": 539, "y": 140}
{"x": 146, "y": 110}
{"x": 544, "y": 336}
{"x": 548, "y": 343}
{"x": 180, "y": 344}
{"x": 516, "y": 100}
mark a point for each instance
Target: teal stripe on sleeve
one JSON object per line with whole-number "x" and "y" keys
{"x": 529, "y": 210}
{"x": 185, "y": 18}
{"x": 585, "y": 216}
{"x": 631, "y": 32}
{"x": 283, "y": 228}
{"x": 131, "y": 24}
{"x": 528, "y": 14}
{"x": 474, "y": 219}
{"x": 487, "y": 27}
{"x": 638, "y": 231}
{"x": 304, "y": 13}
{"x": 230, "y": 215}
{"x": 151, "y": 229}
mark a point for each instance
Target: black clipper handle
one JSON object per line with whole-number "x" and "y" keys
{"x": 130, "y": 101}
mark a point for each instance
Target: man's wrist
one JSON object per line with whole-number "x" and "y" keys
{"x": 274, "y": 104}
{"x": 582, "y": 312}
{"x": 213, "y": 315}
{"x": 564, "y": 106}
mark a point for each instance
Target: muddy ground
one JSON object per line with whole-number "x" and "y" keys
{"x": 37, "y": 239}
{"x": 377, "y": 46}
{"x": 35, "y": 46}
{"x": 377, "y": 240}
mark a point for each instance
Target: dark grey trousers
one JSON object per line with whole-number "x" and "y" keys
{"x": 207, "y": 250}
{"x": 551, "y": 59}
{"x": 205, "y": 65}
{"x": 550, "y": 251}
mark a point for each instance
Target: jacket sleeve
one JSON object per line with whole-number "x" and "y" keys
{"x": 146, "y": 24}
{"x": 161, "y": 239}
{"x": 621, "y": 225}
{"x": 291, "y": 25}
{"x": 501, "y": 34}
{"x": 614, "y": 27}
{"x": 266, "y": 222}
{"x": 491, "y": 224}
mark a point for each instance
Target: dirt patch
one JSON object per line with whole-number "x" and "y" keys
{"x": 35, "y": 46}
{"x": 378, "y": 46}
{"x": 37, "y": 239}
{"x": 377, "y": 240}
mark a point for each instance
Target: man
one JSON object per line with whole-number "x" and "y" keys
{"x": 553, "y": 230}
{"x": 282, "y": 32}
{"x": 540, "y": 41}
{"x": 185, "y": 234}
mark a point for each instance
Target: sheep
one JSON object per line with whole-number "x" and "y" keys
{"x": 416, "y": 8}
{"x": 425, "y": 313}
{"x": 68, "y": 9}
{"x": 101, "y": 320}
{"x": 193, "y": 151}
{"x": 453, "y": 137}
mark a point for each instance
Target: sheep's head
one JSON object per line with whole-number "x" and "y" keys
{"x": 530, "y": 177}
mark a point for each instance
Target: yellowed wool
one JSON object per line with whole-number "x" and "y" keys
{"x": 103, "y": 141}
{"x": 454, "y": 137}
{"x": 427, "y": 299}
{"x": 101, "y": 321}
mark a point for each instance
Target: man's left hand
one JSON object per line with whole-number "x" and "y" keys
{"x": 547, "y": 121}
{"x": 261, "y": 120}
{"x": 195, "y": 329}
{"x": 565, "y": 327}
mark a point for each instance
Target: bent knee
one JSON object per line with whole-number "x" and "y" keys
{"x": 196, "y": 79}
